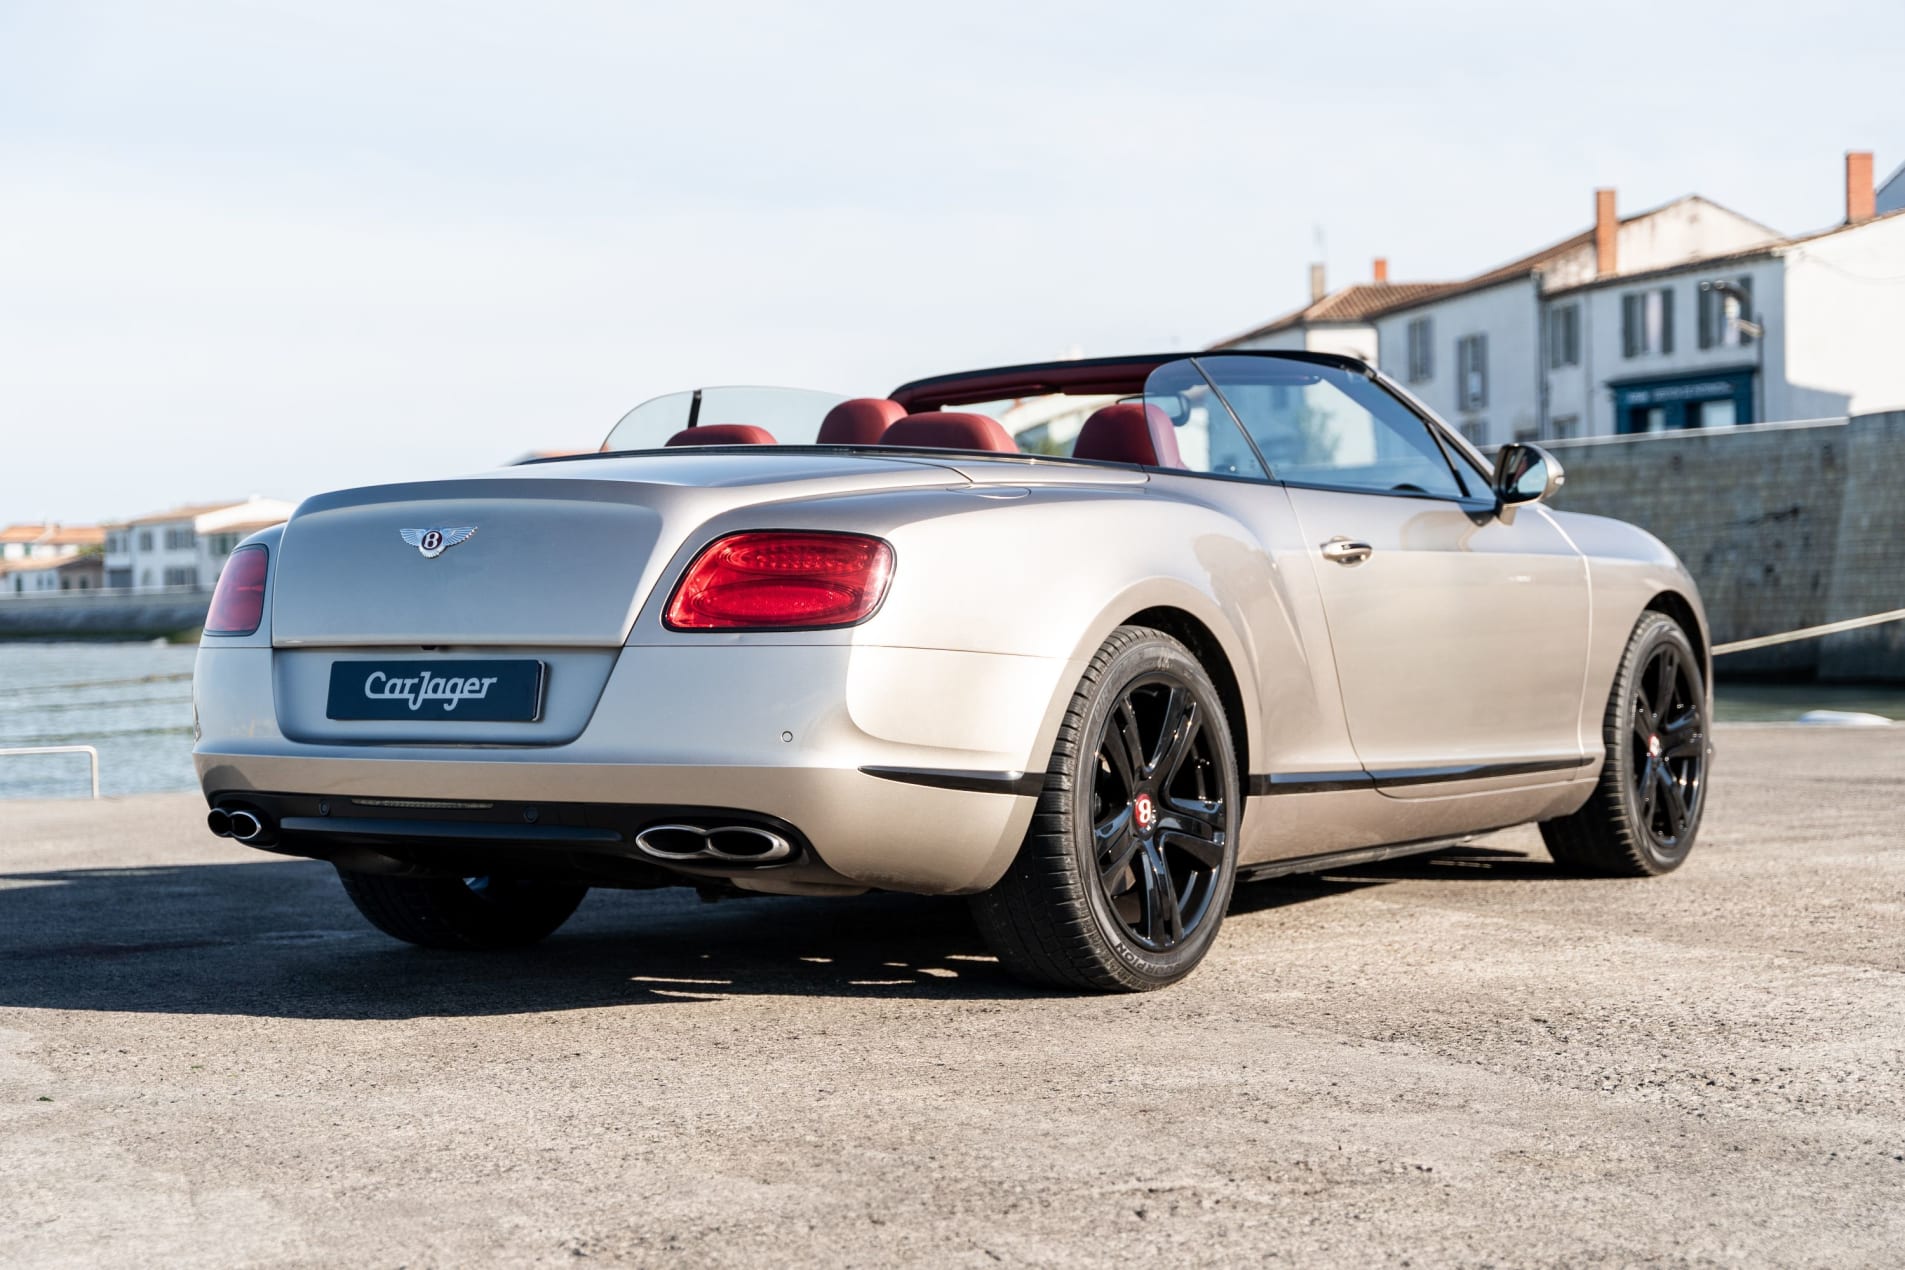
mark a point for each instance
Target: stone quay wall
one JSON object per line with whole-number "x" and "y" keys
{"x": 1783, "y": 526}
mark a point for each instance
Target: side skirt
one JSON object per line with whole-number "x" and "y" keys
{"x": 1346, "y": 859}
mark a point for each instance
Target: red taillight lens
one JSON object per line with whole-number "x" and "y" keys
{"x": 782, "y": 581}
{"x": 238, "y": 605}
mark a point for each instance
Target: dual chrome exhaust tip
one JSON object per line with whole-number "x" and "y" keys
{"x": 714, "y": 844}
{"x": 246, "y": 826}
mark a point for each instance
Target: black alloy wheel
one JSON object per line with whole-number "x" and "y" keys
{"x": 1159, "y": 813}
{"x": 1669, "y": 747}
{"x": 1644, "y": 814}
{"x": 1127, "y": 867}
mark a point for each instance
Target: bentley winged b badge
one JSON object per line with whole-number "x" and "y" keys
{"x": 434, "y": 542}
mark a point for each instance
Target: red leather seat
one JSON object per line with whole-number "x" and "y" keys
{"x": 861, "y": 421}
{"x": 950, "y": 430}
{"x": 722, "y": 434}
{"x": 1129, "y": 433}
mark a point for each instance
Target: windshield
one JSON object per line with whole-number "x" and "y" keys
{"x": 792, "y": 415}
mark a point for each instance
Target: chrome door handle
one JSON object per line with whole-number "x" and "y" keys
{"x": 1343, "y": 551}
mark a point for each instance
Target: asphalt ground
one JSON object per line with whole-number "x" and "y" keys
{"x": 206, "y": 1057}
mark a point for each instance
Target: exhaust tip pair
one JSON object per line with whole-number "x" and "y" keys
{"x": 714, "y": 844}
{"x": 243, "y": 825}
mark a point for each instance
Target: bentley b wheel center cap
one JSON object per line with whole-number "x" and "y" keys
{"x": 1653, "y": 747}
{"x": 1144, "y": 810}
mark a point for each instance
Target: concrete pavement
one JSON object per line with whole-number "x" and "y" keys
{"x": 206, "y": 1057}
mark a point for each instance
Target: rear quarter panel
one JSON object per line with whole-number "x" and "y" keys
{"x": 1045, "y": 574}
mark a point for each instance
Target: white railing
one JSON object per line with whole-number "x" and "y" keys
{"x": 87, "y": 750}
{"x": 1742, "y": 429}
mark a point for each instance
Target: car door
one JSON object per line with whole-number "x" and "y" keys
{"x": 1460, "y": 636}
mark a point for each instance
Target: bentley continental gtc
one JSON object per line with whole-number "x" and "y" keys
{"x": 1089, "y": 642}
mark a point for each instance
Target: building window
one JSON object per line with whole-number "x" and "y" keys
{"x": 177, "y": 539}
{"x": 187, "y": 576}
{"x": 1565, "y": 427}
{"x": 115, "y": 543}
{"x": 145, "y": 540}
{"x": 1421, "y": 355}
{"x": 1564, "y": 336}
{"x": 1647, "y": 322}
{"x": 1720, "y": 315}
{"x": 1471, "y": 372}
{"x": 1476, "y": 430}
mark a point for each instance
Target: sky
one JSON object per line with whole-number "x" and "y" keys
{"x": 279, "y": 248}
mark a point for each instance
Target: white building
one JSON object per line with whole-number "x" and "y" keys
{"x": 1336, "y": 321}
{"x": 1641, "y": 322}
{"x": 47, "y": 540}
{"x": 186, "y": 546}
{"x": 40, "y": 575}
{"x": 1676, "y": 347}
{"x": 1479, "y": 351}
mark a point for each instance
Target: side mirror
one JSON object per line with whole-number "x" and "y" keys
{"x": 1525, "y": 474}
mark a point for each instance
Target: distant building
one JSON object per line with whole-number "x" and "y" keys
{"x": 186, "y": 546}
{"x": 1336, "y": 321}
{"x": 1478, "y": 351}
{"x": 45, "y": 541}
{"x": 40, "y": 574}
{"x": 1688, "y": 315}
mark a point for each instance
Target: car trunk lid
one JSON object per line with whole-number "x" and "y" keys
{"x": 561, "y": 554}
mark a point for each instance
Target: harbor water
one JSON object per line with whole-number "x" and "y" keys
{"x": 133, "y": 702}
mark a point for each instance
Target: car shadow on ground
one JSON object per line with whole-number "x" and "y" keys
{"x": 279, "y": 940}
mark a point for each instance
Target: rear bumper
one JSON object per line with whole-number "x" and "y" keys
{"x": 771, "y": 731}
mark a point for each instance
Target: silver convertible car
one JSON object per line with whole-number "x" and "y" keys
{"x": 1190, "y": 620}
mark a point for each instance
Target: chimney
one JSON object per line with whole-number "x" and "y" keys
{"x": 1859, "y": 204}
{"x": 1607, "y": 229}
{"x": 1317, "y": 290}
{"x": 1379, "y": 270}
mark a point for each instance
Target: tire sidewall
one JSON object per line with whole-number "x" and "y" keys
{"x": 1157, "y": 653}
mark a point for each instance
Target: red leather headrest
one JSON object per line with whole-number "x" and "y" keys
{"x": 1129, "y": 433}
{"x": 722, "y": 434}
{"x": 950, "y": 430}
{"x": 862, "y": 421}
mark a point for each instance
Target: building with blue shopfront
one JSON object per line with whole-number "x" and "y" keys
{"x": 1704, "y": 399}
{"x": 1684, "y": 316}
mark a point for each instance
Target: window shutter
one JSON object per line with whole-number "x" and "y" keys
{"x": 1712, "y": 306}
{"x": 1630, "y": 324}
{"x": 1481, "y": 370}
{"x": 1666, "y": 319}
{"x": 1746, "y": 306}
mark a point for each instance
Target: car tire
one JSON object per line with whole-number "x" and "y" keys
{"x": 462, "y": 913}
{"x": 1124, "y": 876}
{"x": 1644, "y": 814}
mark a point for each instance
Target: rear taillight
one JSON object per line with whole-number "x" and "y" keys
{"x": 238, "y": 605}
{"x": 779, "y": 580}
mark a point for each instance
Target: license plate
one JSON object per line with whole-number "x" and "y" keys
{"x": 490, "y": 690}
